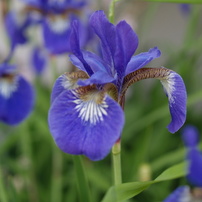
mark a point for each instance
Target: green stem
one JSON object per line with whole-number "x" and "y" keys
{"x": 116, "y": 150}
{"x": 116, "y": 155}
{"x": 111, "y": 10}
{"x": 82, "y": 183}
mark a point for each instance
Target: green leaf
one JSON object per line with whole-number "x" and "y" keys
{"x": 178, "y": 1}
{"x": 128, "y": 190}
{"x": 173, "y": 172}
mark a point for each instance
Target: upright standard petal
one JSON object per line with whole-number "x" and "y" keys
{"x": 85, "y": 121}
{"x": 142, "y": 59}
{"x": 18, "y": 104}
{"x": 181, "y": 194}
{"x": 106, "y": 31}
{"x": 176, "y": 92}
{"x": 75, "y": 47}
{"x": 94, "y": 61}
{"x": 126, "y": 46}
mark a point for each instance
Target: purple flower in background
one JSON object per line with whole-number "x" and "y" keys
{"x": 38, "y": 4}
{"x": 190, "y": 136}
{"x": 181, "y": 194}
{"x": 38, "y": 60}
{"x": 16, "y": 96}
{"x": 56, "y": 33}
{"x": 185, "y": 8}
{"x": 55, "y": 6}
{"x": 85, "y": 117}
{"x": 194, "y": 157}
{"x": 16, "y": 27}
{"x": 57, "y": 17}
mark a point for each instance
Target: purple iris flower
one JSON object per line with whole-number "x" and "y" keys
{"x": 86, "y": 116}
{"x": 194, "y": 157}
{"x": 38, "y": 60}
{"x": 16, "y": 96}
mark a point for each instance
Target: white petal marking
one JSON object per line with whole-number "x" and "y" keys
{"x": 90, "y": 110}
{"x": 7, "y": 87}
{"x": 59, "y": 25}
{"x": 169, "y": 86}
{"x": 186, "y": 195}
{"x": 67, "y": 83}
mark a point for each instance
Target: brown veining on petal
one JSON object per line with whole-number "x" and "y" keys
{"x": 64, "y": 14}
{"x": 112, "y": 90}
{"x": 144, "y": 73}
{"x": 7, "y": 77}
{"x": 90, "y": 103}
{"x": 69, "y": 80}
{"x": 77, "y": 75}
{"x": 90, "y": 92}
{"x": 8, "y": 84}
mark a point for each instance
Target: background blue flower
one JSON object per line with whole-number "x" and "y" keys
{"x": 16, "y": 96}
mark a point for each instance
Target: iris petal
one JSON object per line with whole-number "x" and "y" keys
{"x": 19, "y": 105}
{"x": 127, "y": 45}
{"x": 181, "y": 194}
{"x": 83, "y": 126}
{"x": 142, "y": 59}
{"x": 95, "y": 62}
{"x": 67, "y": 81}
{"x": 99, "y": 77}
{"x": 176, "y": 92}
{"x": 62, "y": 83}
{"x": 106, "y": 31}
{"x": 38, "y": 60}
{"x": 75, "y": 47}
{"x": 41, "y": 4}
{"x": 54, "y": 36}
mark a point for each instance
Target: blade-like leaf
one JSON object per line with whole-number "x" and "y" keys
{"x": 129, "y": 190}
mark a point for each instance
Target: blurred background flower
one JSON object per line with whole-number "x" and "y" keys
{"x": 190, "y": 136}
